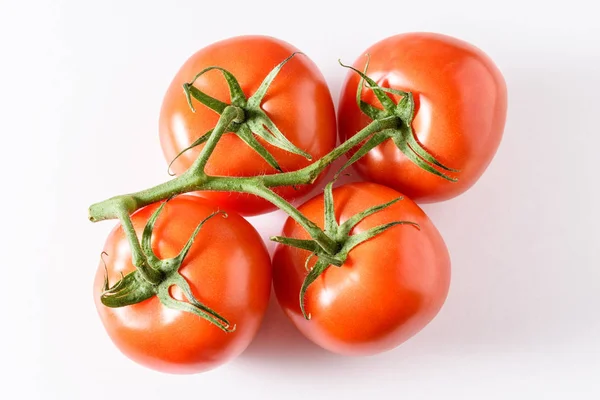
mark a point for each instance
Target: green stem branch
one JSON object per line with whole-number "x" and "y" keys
{"x": 310, "y": 173}
{"x": 195, "y": 179}
{"x": 258, "y": 189}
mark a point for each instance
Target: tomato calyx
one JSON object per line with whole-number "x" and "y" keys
{"x": 340, "y": 234}
{"x": 255, "y": 121}
{"x": 135, "y": 287}
{"x": 402, "y": 135}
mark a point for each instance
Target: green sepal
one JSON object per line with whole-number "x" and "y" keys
{"x": 383, "y": 98}
{"x": 192, "y": 306}
{"x": 147, "y": 236}
{"x": 421, "y": 152}
{"x": 238, "y": 98}
{"x": 304, "y": 244}
{"x": 191, "y": 91}
{"x": 362, "y": 237}
{"x": 307, "y": 244}
{"x": 256, "y": 99}
{"x": 410, "y": 153}
{"x": 188, "y": 245}
{"x": 130, "y": 289}
{"x": 398, "y": 92}
{"x": 197, "y": 142}
{"x": 246, "y": 135}
{"x": 331, "y": 224}
{"x": 350, "y": 223}
{"x": 262, "y": 126}
{"x": 372, "y": 112}
{"x": 331, "y": 260}
{"x": 406, "y": 107}
{"x": 320, "y": 267}
{"x": 260, "y": 123}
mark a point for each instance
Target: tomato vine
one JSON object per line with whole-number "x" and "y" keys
{"x": 245, "y": 118}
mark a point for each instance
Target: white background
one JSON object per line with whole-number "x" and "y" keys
{"x": 81, "y": 85}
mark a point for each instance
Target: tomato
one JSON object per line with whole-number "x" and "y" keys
{"x": 298, "y": 102}
{"x": 228, "y": 269}
{"x": 388, "y": 288}
{"x": 460, "y": 98}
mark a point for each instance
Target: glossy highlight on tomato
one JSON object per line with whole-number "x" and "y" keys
{"x": 298, "y": 102}
{"x": 228, "y": 269}
{"x": 461, "y": 102}
{"x": 387, "y": 290}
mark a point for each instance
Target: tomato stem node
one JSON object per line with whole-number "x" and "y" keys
{"x": 402, "y": 135}
{"x": 341, "y": 235}
{"x": 141, "y": 285}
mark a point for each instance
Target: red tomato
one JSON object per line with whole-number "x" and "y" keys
{"x": 388, "y": 289}
{"x": 298, "y": 102}
{"x": 228, "y": 269}
{"x": 460, "y": 98}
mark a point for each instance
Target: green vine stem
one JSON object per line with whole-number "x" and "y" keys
{"x": 245, "y": 118}
{"x": 195, "y": 179}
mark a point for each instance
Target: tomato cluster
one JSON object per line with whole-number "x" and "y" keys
{"x": 183, "y": 285}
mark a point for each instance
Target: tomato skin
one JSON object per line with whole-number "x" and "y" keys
{"x": 461, "y": 101}
{"x": 388, "y": 289}
{"x": 228, "y": 269}
{"x": 298, "y": 102}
